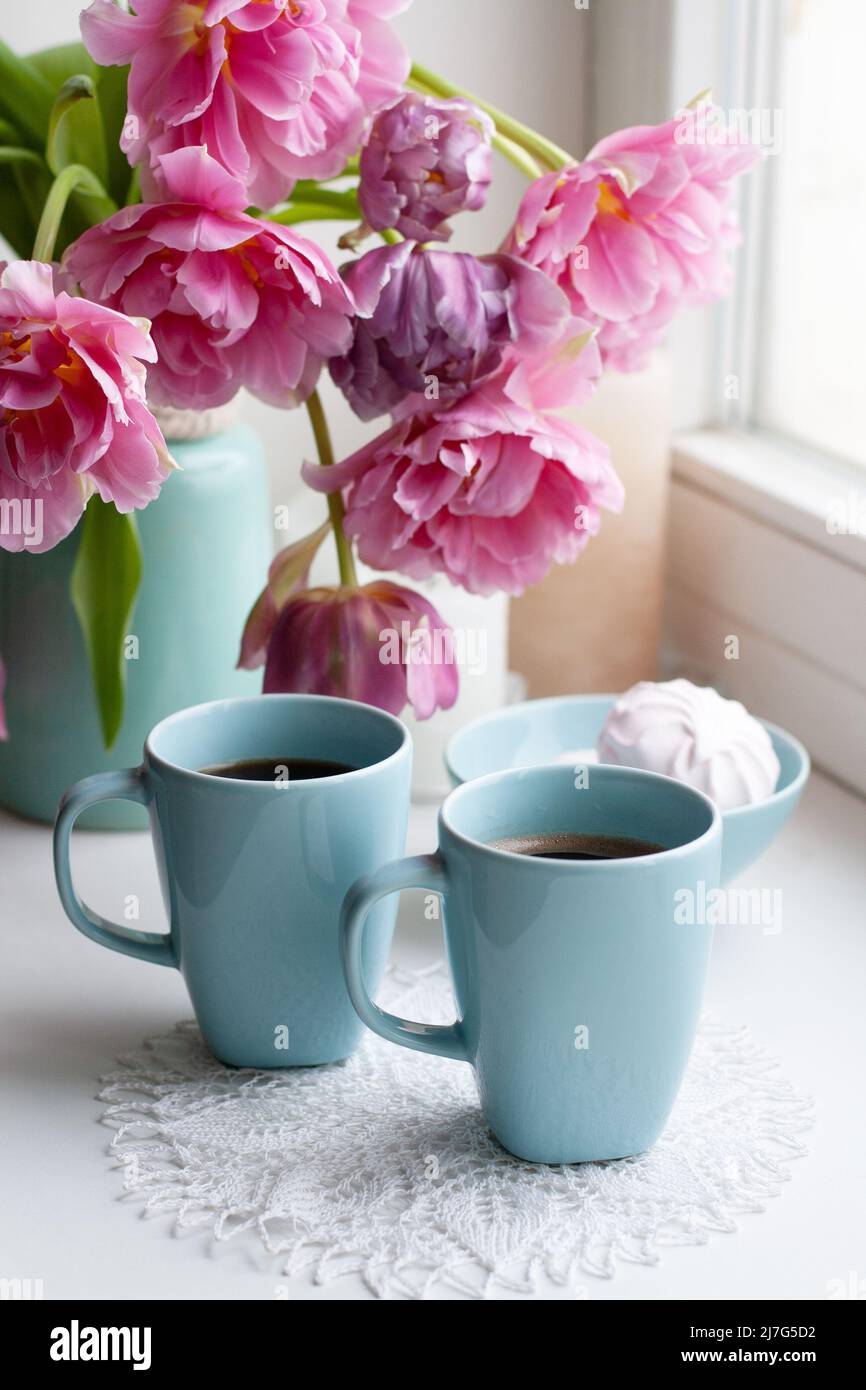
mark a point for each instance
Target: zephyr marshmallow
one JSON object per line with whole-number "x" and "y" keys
{"x": 692, "y": 733}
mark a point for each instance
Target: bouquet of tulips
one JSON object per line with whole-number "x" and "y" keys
{"x": 152, "y": 181}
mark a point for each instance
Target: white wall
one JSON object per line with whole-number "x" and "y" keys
{"x": 527, "y": 58}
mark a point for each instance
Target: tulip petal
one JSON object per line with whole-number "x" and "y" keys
{"x": 276, "y": 91}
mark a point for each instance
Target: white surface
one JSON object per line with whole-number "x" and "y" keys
{"x": 68, "y": 1008}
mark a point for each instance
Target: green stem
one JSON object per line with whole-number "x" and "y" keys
{"x": 347, "y": 200}
{"x": 517, "y": 156}
{"x": 336, "y": 510}
{"x": 554, "y": 156}
{"x": 75, "y": 177}
{"x": 310, "y": 212}
{"x": 391, "y": 236}
{"x": 75, "y": 89}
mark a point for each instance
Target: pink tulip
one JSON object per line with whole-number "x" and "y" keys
{"x": 72, "y": 415}
{"x": 382, "y": 644}
{"x": 276, "y": 90}
{"x": 234, "y": 301}
{"x": 490, "y": 490}
{"x": 638, "y": 230}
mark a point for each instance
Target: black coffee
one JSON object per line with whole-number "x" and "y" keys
{"x": 277, "y": 769}
{"x": 577, "y": 846}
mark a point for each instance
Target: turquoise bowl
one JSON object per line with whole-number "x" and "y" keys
{"x": 565, "y": 729}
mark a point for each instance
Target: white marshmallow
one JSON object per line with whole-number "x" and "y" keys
{"x": 692, "y": 733}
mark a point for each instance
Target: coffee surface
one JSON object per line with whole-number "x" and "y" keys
{"x": 584, "y": 846}
{"x": 277, "y": 769}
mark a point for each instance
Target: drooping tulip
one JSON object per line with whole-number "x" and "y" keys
{"x": 380, "y": 643}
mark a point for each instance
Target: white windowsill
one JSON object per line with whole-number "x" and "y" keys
{"x": 751, "y": 557}
{"x": 780, "y": 482}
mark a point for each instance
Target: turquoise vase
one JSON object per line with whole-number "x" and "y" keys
{"x": 206, "y": 546}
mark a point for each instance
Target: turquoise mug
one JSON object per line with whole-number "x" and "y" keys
{"x": 253, "y": 873}
{"x": 577, "y": 991}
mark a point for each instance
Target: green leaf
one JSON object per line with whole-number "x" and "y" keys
{"x": 99, "y": 131}
{"x": 85, "y": 132}
{"x": 60, "y": 61}
{"x": 26, "y": 98}
{"x": 17, "y": 225}
{"x": 24, "y": 183}
{"x": 64, "y": 143}
{"x": 17, "y": 154}
{"x": 81, "y": 137}
{"x": 289, "y": 569}
{"x": 111, "y": 84}
{"x": 105, "y": 583}
{"x": 287, "y": 575}
{"x": 74, "y": 181}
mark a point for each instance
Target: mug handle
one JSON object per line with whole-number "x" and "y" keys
{"x": 105, "y": 786}
{"x": 422, "y": 871}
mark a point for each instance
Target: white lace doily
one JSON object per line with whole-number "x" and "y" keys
{"x": 381, "y": 1165}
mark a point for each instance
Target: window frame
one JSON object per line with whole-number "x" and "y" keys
{"x": 732, "y": 478}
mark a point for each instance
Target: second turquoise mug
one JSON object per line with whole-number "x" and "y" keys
{"x": 578, "y": 984}
{"x": 253, "y": 873}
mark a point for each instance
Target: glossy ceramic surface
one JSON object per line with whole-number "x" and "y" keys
{"x": 205, "y": 544}
{"x": 253, "y": 874}
{"x": 577, "y": 991}
{"x": 565, "y": 728}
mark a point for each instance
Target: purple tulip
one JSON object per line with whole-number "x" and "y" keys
{"x": 435, "y": 323}
{"x": 426, "y": 160}
{"x": 382, "y": 644}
